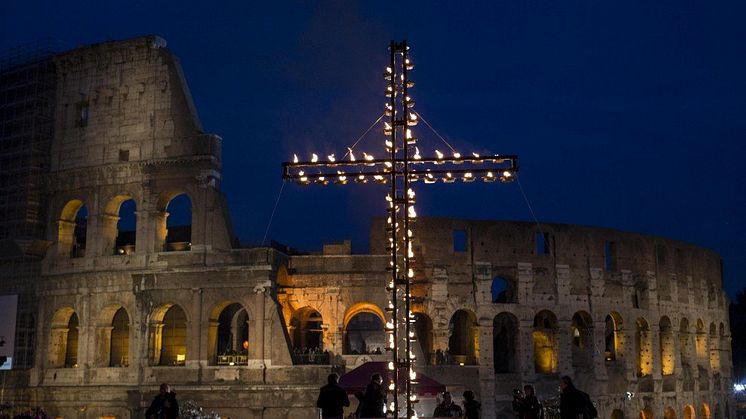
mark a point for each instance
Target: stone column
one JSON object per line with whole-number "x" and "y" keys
{"x": 103, "y": 352}
{"x": 599, "y": 355}
{"x": 212, "y": 342}
{"x": 155, "y": 343}
{"x": 486, "y": 371}
{"x": 261, "y": 322}
{"x": 525, "y": 283}
{"x": 65, "y": 231}
{"x": 57, "y": 346}
{"x": 104, "y": 232}
{"x": 196, "y": 351}
{"x": 525, "y": 357}
{"x": 563, "y": 348}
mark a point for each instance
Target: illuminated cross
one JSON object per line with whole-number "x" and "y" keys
{"x": 402, "y": 166}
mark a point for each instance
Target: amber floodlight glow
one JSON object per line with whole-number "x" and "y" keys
{"x": 402, "y": 166}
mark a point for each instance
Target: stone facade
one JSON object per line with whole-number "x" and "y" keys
{"x": 639, "y": 322}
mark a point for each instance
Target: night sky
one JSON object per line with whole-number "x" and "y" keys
{"x": 625, "y": 114}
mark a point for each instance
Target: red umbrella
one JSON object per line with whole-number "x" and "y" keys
{"x": 359, "y": 378}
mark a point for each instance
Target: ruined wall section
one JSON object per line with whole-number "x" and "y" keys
{"x": 583, "y": 254}
{"x": 123, "y": 97}
{"x": 126, "y": 128}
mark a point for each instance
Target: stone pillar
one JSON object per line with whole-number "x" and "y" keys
{"x": 196, "y": 349}
{"x": 563, "y": 348}
{"x": 103, "y": 348}
{"x": 65, "y": 231}
{"x": 57, "y": 346}
{"x": 525, "y": 283}
{"x": 104, "y": 234}
{"x": 483, "y": 278}
{"x": 563, "y": 282}
{"x": 599, "y": 355}
{"x": 525, "y": 355}
{"x": 258, "y": 347}
{"x": 151, "y": 231}
{"x": 155, "y": 343}
{"x": 212, "y": 342}
{"x": 486, "y": 368}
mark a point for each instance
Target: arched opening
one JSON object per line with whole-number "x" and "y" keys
{"x": 173, "y": 337}
{"x": 545, "y": 342}
{"x": 126, "y": 238}
{"x": 714, "y": 350}
{"x": 423, "y": 327}
{"x": 120, "y": 339}
{"x": 705, "y": 411}
{"x": 644, "y": 348}
{"x": 669, "y": 413}
{"x": 689, "y": 412}
{"x": 612, "y": 336}
{"x": 307, "y": 332}
{"x": 504, "y": 342}
{"x": 667, "y": 353}
{"x": 462, "y": 337}
{"x": 502, "y": 290}
{"x": 179, "y": 224}
{"x": 71, "y": 346}
{"x": 582, "y": 340}
{"x": 646, "y": 413}
{"x": 232, "y": 342}
{"x": 71, "y": 229}
{"x": 364, "y": 334}
{"x": 617, "y": 414}
{"x": 79, "y": 233}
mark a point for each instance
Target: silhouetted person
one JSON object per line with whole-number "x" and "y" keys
{"x": 472, "y": 408}
{"x": 164, "y": 405}
{"x": 531, "y": 408}
{"x": 332, "y": 399}
{"x": 447, "y": 408}
{"x": 374, "y": 399}
{"x": 572, "y": 401}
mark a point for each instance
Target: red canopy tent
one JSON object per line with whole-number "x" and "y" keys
{"x": 358, "y": 379}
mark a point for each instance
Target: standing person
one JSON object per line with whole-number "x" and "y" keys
{"x": 164, "y": 405}
{"x": 332, "y": 399}
{"x": 374, "y": 399}
{"x": 518, "y": 404}
{"x": 572, "y": 402}
{"x": 472, "y": 408}
{"x": 531, "y": 406}
{"x": 447, "y": 408}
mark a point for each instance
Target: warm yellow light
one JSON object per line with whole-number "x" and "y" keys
{"x": 331, "y": 158}
{"x": 438, "y": 154}
{"x": 352, "y": 156}
{"x": 314, "y": 158}
{"x": 456, "y": 155}
{"x": 180, "y": 357}
{"x": 295, "y": 158}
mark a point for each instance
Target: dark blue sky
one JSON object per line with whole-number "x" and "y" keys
{"x": 625, "y": 114}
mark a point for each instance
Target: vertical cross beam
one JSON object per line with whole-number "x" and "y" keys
{"x": 403, "y": 166}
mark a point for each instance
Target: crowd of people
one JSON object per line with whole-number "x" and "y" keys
{"x": 574, "y": 404}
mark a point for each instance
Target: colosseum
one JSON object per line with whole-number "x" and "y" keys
{"x": 107, "y": 311}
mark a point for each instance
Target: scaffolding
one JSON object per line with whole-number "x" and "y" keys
{"x": 27, "y": 99}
